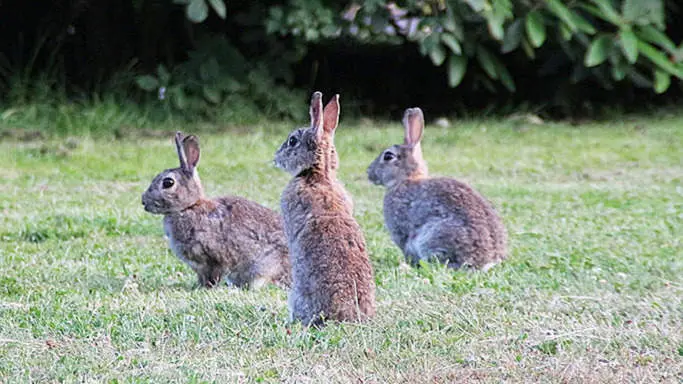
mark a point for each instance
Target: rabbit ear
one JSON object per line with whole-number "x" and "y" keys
{"x": 191, "y": 150}
{"x": 414, "y": 124}
{"x": 317, "y": 113}
{"x": 331, "y": 115}
{"x": 181, "y": 151}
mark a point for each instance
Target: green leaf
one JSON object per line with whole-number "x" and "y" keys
{"x": 660, "y": 59}
{"x": 563, "y": 13}
{"x": 505, "y": 76}
{"x": 582, "y": 24}
{"x": 513, "y": 36}
{"x": 662, "y": 81}
{"x": 607, "y": 12}
{"x": 629, "y": 45}
{"x": 429, "y": 43}
{"x": 449, "y": 22}
{"x": 197, "y": 11}
{"x": 495, "y": 23}
{"x": 209, "y": 69}
{"x": 147, "y": 82}
{"x": 565, "y": 32}
{"x": 528, "y": 49}
{"x": 164, "y": 75}
{"x": 486, "y": 60}
{"x": 178, "y": 98}
{"x": 212, "y": 95}
{"x": 219, "y": 7}
{"x": 451, "y": 42}
{"x": 230, "y": 85}
{"x": 457, "y": 66}
{"x": 618, "y": 72}
{"x": 535, "y": 28}
{"x": 598, "y": 50}
{"x": 655, "y": 36}
{"x": 438, "y": 55}
{"x": 453, "y": 24}
{"x": 476, "y": 5}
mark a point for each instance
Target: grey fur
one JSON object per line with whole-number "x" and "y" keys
{"x": 229, "y": 237}
{"x": 439, "y": 219}
{"x": 332, "y": 276}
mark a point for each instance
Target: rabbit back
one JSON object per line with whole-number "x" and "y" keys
{"x": 231, "y": 237}
{"x": 332, "y": 275}
{"x": 444, "y": 219}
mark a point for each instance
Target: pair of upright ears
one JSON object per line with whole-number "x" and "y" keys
{"x": 324, "y": 120}
{"x": 188, "y": 151}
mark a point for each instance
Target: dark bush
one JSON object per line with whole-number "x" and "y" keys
{"x": 198, "y": 55}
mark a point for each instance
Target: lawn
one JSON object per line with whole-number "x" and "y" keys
{"x": 592, "y": 290}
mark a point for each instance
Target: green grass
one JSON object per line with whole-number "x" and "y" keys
{"x": 592, "y": 291}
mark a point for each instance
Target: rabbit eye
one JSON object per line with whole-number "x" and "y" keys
{"x": 293, "y": 141}
{"x": 388, "y": 156}
{"x": 167, "y": 183}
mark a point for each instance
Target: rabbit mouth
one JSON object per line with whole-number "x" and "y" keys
{"x": 152, "y": 207}
{"x": 373, "y": 178}
{"x": 276, "y": 163}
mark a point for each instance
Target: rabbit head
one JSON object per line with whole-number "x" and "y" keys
{"x": 402, "y": 161}
{"x": 313, "y": 147}
{"x": 176, "y": 189}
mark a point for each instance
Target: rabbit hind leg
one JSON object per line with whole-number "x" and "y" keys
{"x": 445, "y": 243}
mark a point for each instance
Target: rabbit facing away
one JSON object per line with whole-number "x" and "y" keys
{"x": 435, "y": 219}
{"x": 332, "y": 278}
{"x": 227, "y": 237}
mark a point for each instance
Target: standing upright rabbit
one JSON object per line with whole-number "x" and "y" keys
{"x": 227, "y": 236}
{"x": 331, "y": 274}
{"x": 435, "y": 218}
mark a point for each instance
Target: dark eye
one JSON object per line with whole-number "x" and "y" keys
{"x": 293, "y": 141}
{"x": 388, "y": 156}
{"x": 167, "y": 183}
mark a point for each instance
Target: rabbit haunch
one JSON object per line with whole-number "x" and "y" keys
{"x": 229, "y": 236}
{"x": 331, "y": 274}
{"x": 439, "y": 219}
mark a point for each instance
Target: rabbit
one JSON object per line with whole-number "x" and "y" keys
{"x": 440, "y": 219}
{"x": 332, "y": 278}
{"x": 228, "y": 236}
{"x": 333, "y": 159}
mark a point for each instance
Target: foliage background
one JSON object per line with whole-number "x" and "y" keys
{"x": 241, "y": 60}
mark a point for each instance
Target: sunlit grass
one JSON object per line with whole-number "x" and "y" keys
{"x": 592, "y": 291}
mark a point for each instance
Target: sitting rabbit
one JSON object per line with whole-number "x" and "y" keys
{"x": 227, "y": 236}
{"x": 439, "y": 219}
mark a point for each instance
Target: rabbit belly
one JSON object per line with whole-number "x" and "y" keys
{"x": 177, "y": 248}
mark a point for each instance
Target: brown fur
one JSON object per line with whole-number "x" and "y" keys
{"x": 331, "y": 272}
{"x": 440, "y": 219}
{"x": 229, "y": 237}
